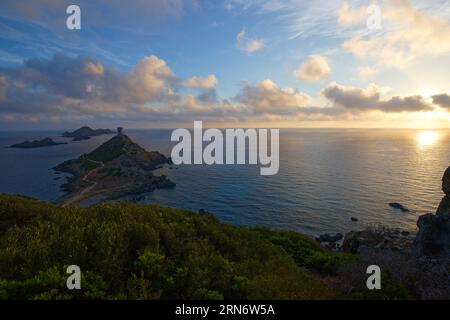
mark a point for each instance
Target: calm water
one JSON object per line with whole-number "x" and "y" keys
{"x": 325, "y": 178}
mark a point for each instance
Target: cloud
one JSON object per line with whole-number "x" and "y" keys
{"x": 65, "y": 89}
{"x": 150, "y": 80}
{"x": 442, "y": 100}
{"x": 268, "y": 97}
{"x": 198, "y": 82}
{"x": 369, "y": 99}
{"x": 407, "y": 32}
{"x": 65, "y": 86}
{"x": 94, "y": 68}
{"x": 348, "y": 16}
{"x": 316, "y": 68}
{"x": 247, "y": 44}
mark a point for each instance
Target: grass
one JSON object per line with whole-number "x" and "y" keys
{"x": 116, "y": 172}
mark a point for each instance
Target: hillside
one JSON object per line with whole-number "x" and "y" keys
{"x": 131, "y": 251}
{"x": 117, "y": 168}
{"x": 85, "y": 133}
{"x": 122, "y": 146}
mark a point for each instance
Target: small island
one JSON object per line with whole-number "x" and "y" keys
{"x": 117, "y": 168}
{"x": 85, "y": 133}
{"x": 47, "y": 142}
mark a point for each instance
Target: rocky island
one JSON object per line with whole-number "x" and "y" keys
{"x": 117, "y": 168}
{"x": 85, "y": 133}
{"x": 47, "y": 142}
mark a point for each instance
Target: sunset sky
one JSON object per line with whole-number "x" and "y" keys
{"x": 235, "y": 63}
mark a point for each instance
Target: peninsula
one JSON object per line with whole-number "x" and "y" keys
{"x": 117, "y": 168}
{"x": 85, "y": 133}
{"x": 47, "y": 142}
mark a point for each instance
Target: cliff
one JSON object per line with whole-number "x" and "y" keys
{"x": 433, "y": 238}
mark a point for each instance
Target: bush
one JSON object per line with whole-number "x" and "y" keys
{"x": 130, "y": 251}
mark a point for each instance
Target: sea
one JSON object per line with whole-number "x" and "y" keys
{"x": 326, "y": 177}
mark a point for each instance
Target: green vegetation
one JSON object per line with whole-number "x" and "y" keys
{"x": 129, "y": 251}
{"x": 111, "y": 149}
{"x": 88, "y": 165}
{"x": 82, "y": 161}
{"x": 116, "y": 172}
{"x": 305, "y": 252}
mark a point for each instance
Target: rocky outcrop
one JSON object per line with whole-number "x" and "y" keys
{"x": 329, "y": 237}
{"x": 399, "y": 206}
{"x": 433, "y": 238}
{"x": 378, "y": 238}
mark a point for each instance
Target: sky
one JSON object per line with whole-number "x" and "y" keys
{"x": 230, "y": 63}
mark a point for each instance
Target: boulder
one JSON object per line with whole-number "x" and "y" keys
{"x": 399, "y": 206}
{"x": 329, "y": 238}
{"x": 378, "y": 238}
{"x": 433, "y": 238}
{"x": 446, "y": 182}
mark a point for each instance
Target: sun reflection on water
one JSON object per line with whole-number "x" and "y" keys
{"x": 427, "y": 138}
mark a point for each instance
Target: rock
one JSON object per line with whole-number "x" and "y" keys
{"x": 446, "y": 182}
{"x": 444, "y": 206}
{"x": 433, "y": 238}
{"x": 333, "y": 246}
{"x": 405, "y": 233}
{"x": 377, "y": 238}
{"x": 329, "y": 238}
{"x": 397, "y": 205}
{"x": 354, "y": 219}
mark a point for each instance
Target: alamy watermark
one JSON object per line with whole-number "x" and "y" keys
{"x": 373, "y": 21}
{"x": 374, "y": 280}
{"x": 73, "y": 281}
{"x": 73, "y": 21}
{"x": 239, "y": 146}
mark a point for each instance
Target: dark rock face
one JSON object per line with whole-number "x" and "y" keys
{"x": 433, "y": 238}
{"x": 378, "y": 238}
{"x": 329, "y": 238}
{"x": 444, "y": 206}
{"x": 446, "y": 181}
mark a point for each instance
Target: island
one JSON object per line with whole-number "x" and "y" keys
{"x": 117, "y": 168}
{"x": 47, "y": 142}
{"x": 85, "y": 133}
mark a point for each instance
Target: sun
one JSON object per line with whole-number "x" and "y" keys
{"x": 427, "y": 138}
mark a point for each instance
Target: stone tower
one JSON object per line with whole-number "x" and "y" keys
{"x": 119, "y": 131}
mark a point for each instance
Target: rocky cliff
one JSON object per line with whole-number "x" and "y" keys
{"x": 433, "y": 238}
